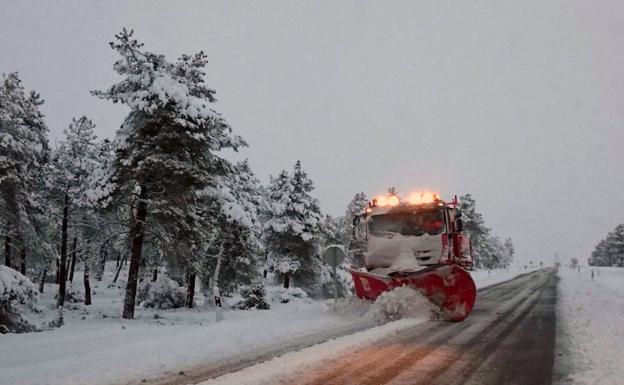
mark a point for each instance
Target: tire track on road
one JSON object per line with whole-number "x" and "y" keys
{"x": 435, "y": 347}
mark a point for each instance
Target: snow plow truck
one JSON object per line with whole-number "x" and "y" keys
{"x": 416, "y": 242}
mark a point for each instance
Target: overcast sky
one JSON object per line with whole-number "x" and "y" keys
{"x": 518, "y": 103}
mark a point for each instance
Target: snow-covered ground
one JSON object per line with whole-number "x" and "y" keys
{"x": 485, "y": 278}
{"x": 591, "y": 318}
{"x": 95, "y": 346}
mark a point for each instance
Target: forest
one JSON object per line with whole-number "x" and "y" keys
{"x": 161, "y": 202}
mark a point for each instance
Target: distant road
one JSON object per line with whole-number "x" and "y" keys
{"x": 509, "y": 338}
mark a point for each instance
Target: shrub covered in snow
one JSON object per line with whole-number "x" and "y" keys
{"x": 280, "y": 294}
{"x": 165, "y": 293}
{"x": 254, "y": 297}
{"x": 17, "y": 293}
{"x": 72, "y": 295}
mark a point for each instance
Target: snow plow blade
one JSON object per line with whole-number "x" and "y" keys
{"x": 449, "y": 287}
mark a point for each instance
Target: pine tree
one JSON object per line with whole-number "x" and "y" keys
{"x": 167, "y": 148}
{"x": 495, "y": 252}
{"x": 487, "y": 249}
{"x": 477, "y": 231}
{"x": 71, "y": 166}
{"x": 610, "y": 251}
{"x": 24, "y": 149}
{"x": 356, "y": 248}
{"x": 509, "y": 252}
{"x": 293, "y": 227}
{"x": 236, "y": 246}
{"x": 330, "y": 230}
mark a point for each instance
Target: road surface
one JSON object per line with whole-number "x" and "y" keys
{"x": 509, "y": 338}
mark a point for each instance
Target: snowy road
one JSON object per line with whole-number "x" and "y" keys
{"x": 509, "y": 338}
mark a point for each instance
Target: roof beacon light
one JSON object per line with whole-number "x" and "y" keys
{"x": 420, "y": 197}
{"x": 393, "y": 200}
{"x": 428, "y": 197}
{"x": 381, "y": 201}
{"x": 415, "y": 198}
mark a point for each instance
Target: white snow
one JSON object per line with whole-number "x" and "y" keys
{"x": 95, "y": 346}
{"x": 102, "y": 348}
{"x": 486, "y": 277}
{"x": 402, "y": 302}
{"x": 591, "y": 315}
{"x": 15, "y": 288}
{"x": 271, "y": 371}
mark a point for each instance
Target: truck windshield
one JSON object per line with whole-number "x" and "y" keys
{"x": 418, "y": 223}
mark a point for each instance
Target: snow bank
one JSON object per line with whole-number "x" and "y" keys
{"x": 402, "y": 302}
{"x": 17, "y": 296}
{"x": 164, "y": 293}
{"x": 590, "y": 315}
{"x": 485, "y": 277}
{"x": 278, "y": 294}
{"x": 15, "y": 288}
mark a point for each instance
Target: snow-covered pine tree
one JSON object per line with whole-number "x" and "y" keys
{"x": 496, "y": 253}
{"x": 509, "y": 252}
{"x": 599, "y": 254}
{"x": 477, "y": 231}
{"x": 24, "y": 149}
{"x": 615, "y": 246}
{"x": 487, "y": 249}
{"x": 330, "y": 230}
{"x": 167, "y": 147}
{"x": 72, "y": 164}
{"x": 356, "y": 248}
{"x": 238, "y": 201}
{"x": 292, "y": 228}
{"x": 610, "y": 251}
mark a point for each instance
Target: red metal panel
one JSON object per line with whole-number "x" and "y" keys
{"x": 448, "y": 286}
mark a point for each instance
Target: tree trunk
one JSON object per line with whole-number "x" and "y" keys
{"x": 7, "y": 251}
{"x": 155, "y": 274}
{"x": 63, "y": 261}
{"x": 73, "y": 260}
{"x": 136, "y": 236}
{"x": 118, "y": 259}
{"x": 123, "y": 260}
{"x": 87, "y": 285}
{"x": 58, "y": 271}
{"x": 103, "y": 256}
{"x": 190, "y": 292}
{"x": 286, "y": 280}
{"x": 265, "y": 271}
{"x": 23, "y": 263}
{"x": 215, "y": 287}
{"x": 42, "y": 282}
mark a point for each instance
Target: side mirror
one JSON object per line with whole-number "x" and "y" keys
{"x": 459, "y": 224}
